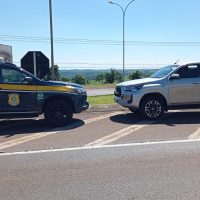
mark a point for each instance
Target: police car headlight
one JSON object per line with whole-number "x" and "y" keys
{"x": 132, "y": 88}
{"x": 79, "y": 90}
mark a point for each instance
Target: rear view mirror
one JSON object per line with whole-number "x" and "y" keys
{"x": 174, "y": 76}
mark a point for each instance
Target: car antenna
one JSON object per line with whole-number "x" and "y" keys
{"x": 176, "y": 61}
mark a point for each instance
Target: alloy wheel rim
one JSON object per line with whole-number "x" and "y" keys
{"x": 153, "y": 109}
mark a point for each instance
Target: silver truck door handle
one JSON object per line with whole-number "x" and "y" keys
{"x": 196, "y": 83}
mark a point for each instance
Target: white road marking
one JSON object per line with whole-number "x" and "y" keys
{"x": 113, "y": 137}
{"x": 25, "y": 139}
{"x": 36, "y": 136}
{"x": 122, "y": 133}
{"x": 95, "y": 119}
{"x": 195, "y": 135}
{"x": 101, "y": 147}
{"x": 119, "y": 134}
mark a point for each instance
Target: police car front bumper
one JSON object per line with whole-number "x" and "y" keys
{"x": 82, "y": 108}
{"x": 81, "y": 104}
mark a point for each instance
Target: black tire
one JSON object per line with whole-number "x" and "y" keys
{"x": 152, "y": 108}
{"x": 58, "y": 113}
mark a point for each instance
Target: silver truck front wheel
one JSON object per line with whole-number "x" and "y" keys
{"x": 152, "y": 108}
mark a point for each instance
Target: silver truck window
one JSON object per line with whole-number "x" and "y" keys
{"x": 191, "y": 71}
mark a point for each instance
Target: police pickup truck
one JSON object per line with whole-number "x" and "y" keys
{"x": 23, "y": 95}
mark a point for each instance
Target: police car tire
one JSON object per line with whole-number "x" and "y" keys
{"x": 54, "y": 113}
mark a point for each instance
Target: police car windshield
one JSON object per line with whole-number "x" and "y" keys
{"x": 164, "y": 71}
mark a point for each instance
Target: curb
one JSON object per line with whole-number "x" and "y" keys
{"x": 104, "y": 108}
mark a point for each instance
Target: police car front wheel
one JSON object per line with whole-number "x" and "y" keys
{"x": 58, "y": 113}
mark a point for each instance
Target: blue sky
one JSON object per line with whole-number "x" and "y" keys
{"x": 88, "y": 32}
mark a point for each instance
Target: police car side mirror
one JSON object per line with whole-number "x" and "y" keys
{"x": 27, "y": 80}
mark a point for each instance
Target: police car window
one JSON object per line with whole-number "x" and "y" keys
{"x": 12, "y": 76}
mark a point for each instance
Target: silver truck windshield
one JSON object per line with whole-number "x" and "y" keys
{"x": 164, "y": 71}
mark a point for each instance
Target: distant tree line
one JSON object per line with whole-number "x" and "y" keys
{"x": 79, "y": 79}
{"x": 114, "y": 76}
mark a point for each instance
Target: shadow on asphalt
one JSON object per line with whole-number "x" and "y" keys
{"x": 127, "y": 118}
{"x": 170, "y": 119}
{"x": 9, "y": 128}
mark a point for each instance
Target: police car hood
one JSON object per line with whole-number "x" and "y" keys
{"x": 141, "y": 81}
{"x": 61, "y": 83}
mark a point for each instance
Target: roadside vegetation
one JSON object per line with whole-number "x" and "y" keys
{"x": 100, "y": 78}
{"x": 100, "y": 100}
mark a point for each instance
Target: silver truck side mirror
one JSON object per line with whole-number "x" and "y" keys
{"x": 174, "y": 77}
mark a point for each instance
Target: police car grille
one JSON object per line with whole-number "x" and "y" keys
{"x": 83, "y": 100}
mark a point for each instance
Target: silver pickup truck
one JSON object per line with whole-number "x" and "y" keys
{"x": 171, "y": 87}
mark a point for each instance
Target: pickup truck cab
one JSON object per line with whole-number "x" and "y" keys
{"x": 23, "y": 95}
{"x": 171, "y": 87}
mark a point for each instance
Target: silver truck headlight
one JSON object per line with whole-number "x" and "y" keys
{"x": 132, "y": 88}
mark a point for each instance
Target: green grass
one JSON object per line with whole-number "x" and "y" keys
{"x": 97, "y": 84}
{"x": 99, "y": 100}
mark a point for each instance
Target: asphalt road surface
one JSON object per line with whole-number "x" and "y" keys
{"x": 102, "y": 155}
{"x": 150, "y": 171}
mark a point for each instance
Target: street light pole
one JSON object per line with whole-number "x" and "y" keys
{"x": 51, "y": 36}
{"x": 124, "y": 16}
